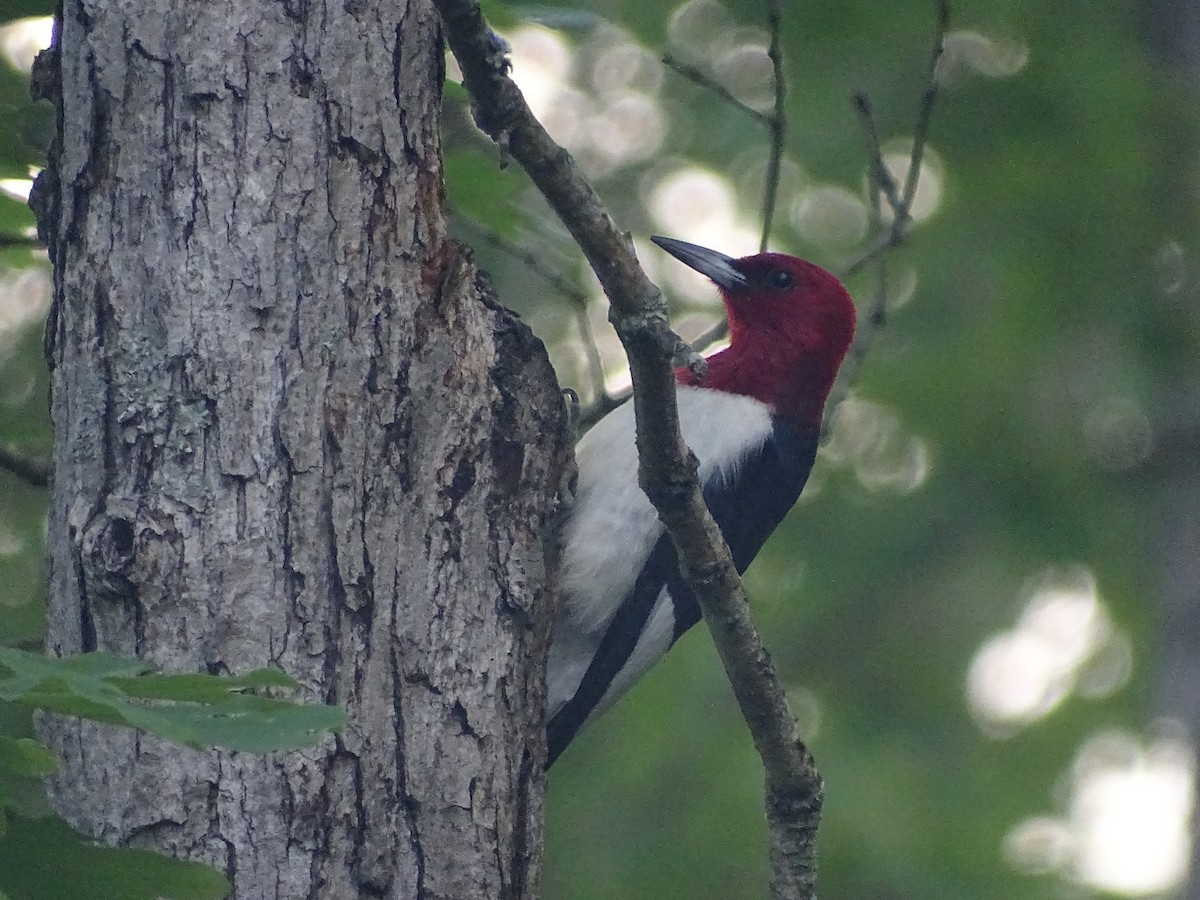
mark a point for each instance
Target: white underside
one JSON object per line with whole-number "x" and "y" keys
{"x": 613, "y": 527}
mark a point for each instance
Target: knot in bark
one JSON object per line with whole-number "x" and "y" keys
{"x": 671, "y": 487}
{"x": 107, "y": 556}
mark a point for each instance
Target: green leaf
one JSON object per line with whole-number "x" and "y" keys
{"x": 195, "y": 710}
{"x": 43, "y": 859}
{"x": 25, "y": 756}
{"x": 202, "y": 688}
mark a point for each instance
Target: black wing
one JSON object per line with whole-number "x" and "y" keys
{"x": 747, "y": 510}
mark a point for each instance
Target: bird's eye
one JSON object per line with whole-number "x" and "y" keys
{"x": 781, "y": 279}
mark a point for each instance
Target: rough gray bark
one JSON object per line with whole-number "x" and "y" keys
{"x": 293, "y": 429}
{"x": 1172, "y": 33}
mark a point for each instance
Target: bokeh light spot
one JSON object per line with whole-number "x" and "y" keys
{"x": 829, "y": 216}
{"x": 898, "y": 158}
{"x": 746, "y": 70}
{"x": 10, "y": 543}
{"x": 17, "y": 188}
{"x": 696, "y": 25}
{"x": 1126, "y": 828}
{"x": 969, "y": 51}
{"x": 24, "y": 298}
{"x": 624, "y": 67}
{"x": 870, "y": 439}
{"x": 21, "y": 41}
{"x": 612, "y": 122}
{"x": 1062, "y": 636}
{"x": 1118, "y": 433}
{"x": 697, "y": 205}
{"x": 541, "y": 62}
{"x": 807, "y": 710}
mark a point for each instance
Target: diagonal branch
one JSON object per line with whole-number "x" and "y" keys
{"x": 878, "y": 171}
{"x": 500, "y": 110}
{"x": 901, "y": 201}
{"x": 667, "y": 470}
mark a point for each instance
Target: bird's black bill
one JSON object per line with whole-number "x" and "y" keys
{"x": 717, "y": 266}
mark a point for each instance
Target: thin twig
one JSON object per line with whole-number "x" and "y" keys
{"x": 697, "y": 76}
{"x": 777, "y": 123}
{"x": 500, "y": 111}
{"x": 878, "y": 169}
{"x": 600, "y": 395}
{"x": 22, "y": 240}
{"x": 30, "y": 467}
{"x": 877, "y": 314}
{"x": 600, "y": 408}
{"x": 925, "y": 112}
{"x": 891, "y": 238}
{"x": 902, "y": 204}
{"x": 899, "y": 201}
{"x": 882, "y": 181}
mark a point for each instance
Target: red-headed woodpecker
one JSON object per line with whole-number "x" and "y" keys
{"x": 753, "y": 424}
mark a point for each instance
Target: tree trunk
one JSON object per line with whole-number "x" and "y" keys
{"x": 293, "y": 429}
{"x": 1172, "y": 33}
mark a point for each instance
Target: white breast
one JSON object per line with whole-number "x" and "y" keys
{"x": 613, "y": 527}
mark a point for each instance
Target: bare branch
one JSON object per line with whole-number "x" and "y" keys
{"x": 600, "y": 408}
{"x": 877, "y": 170}
{"x": 667, "y": 471}
{"x": 901, "y": 203}
{"x": 925, "y": 113}
{"x": 600, "y": 395}
{"x": 500, "y": 110}
{"x": 30, "y": 467}
{"x": 775, "y": 121}
{"x": 885, "y": 239}
{"x": 22, "y": 240}
{"x": 877, "y": 316}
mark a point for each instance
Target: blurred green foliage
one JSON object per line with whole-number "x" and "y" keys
{"x": 1053, "y": 317}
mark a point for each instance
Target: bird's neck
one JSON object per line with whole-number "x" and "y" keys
{"x": 794, "y": 382}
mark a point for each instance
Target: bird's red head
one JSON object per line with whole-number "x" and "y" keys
{"x": 790, "y": 325}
